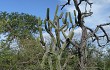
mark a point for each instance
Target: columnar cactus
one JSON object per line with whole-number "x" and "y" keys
{"x": 56, "y": 45}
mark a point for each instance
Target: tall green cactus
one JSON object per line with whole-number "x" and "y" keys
{"x": 56, "y": 45}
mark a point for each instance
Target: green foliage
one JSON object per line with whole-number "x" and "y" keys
{"x": 26, "y": 58}
{"x": 18, "y": 26}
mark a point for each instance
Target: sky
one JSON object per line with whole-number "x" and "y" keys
{"x": 34, "y": 7}
{"x": 100, "y": 9}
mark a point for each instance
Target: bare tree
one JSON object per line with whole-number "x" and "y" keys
{"x": 79, "y": 21}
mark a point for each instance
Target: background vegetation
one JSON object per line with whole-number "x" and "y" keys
{"x": 24, "y": 46}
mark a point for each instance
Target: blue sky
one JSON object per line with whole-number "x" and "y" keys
{"x": 101, "y": 9}
{"x": 35, "y": 7}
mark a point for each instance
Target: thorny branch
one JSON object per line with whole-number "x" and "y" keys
{"x": 86, "y": 2}
{"x": 68, "y": 3}
{"x": 97, "y": 38}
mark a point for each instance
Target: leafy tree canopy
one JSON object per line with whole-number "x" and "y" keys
{"x": 18, "y": 25}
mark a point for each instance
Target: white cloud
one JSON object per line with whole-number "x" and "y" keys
{"x": 77, "y": 33}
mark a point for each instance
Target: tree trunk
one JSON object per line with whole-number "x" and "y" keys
{"x": 82, "y": 48}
